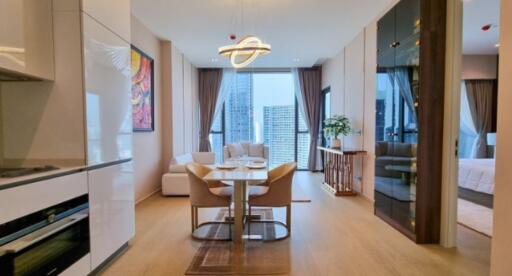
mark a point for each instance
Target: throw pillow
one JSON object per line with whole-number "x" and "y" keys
{"x": 236, "y": 150}
{"x": 256, "y": 150}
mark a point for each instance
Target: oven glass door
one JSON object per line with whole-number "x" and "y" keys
{"x": 50, "y": 253}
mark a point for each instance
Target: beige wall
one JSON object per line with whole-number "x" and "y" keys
{"x": 351, "y": 77}
{"x": 147, "y": 146}
{"x": 479, "y": 67}
{"x": 502, "y": 237}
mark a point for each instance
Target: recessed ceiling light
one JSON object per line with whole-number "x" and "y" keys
{"x": 215, "y": 59}
{"x": 497, "y": 45}
{"x": 296, "y": 59}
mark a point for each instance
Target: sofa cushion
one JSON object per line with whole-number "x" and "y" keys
{"x": 247, "y": 159}
{"x": 183, "y": 159}
{"x": 205, "y": 158}
{"x": 245, "y": 147}
{"x": 236, "y": 150}
{"x": 399, "y": 149}
{"x": 177, "y": 168}
{"x": 256, "y": 150}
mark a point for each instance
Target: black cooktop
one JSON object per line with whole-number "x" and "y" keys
{"x": 15, "y": 172}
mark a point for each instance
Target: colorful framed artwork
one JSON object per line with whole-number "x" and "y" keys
{"x": 143, "y": 113}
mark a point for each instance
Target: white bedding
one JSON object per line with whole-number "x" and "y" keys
{"x": 477, "y": 175}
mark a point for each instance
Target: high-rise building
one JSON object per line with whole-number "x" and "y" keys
{"x": 279, "y": 133}
{"x": 239, "y": 110}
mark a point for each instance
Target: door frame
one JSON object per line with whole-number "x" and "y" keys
{"x": 449, "y": 195}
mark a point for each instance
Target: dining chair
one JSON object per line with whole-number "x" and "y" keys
{"x": 205, "y": 195}
{"x": 277, "y": 192}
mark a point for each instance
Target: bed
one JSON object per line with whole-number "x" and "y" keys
{"x": 476, "y": 180}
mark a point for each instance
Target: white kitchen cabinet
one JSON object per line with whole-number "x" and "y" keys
{"x": 20, "y": 201}
{"x": 114, "y": 14}
{"x": 112, "y": 210}
{"x": 26, "y": 38}
{"x": 107, "y": 87}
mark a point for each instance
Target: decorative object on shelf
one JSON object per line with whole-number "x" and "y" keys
{"x": 247, "y": 49}
{"x": 142, "y": 68}
{"x": 336, "y": 126}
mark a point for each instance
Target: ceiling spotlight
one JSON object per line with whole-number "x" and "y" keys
{"x": 497, "y": 45}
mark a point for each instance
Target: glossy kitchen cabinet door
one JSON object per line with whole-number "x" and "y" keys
{"x": 112, "y": 210}
{"x": 26, "y": 38}
{"x": 108, "y": 94}
{"x": 115, "y": 14}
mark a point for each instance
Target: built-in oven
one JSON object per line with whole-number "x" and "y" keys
{"x": 46, "y": 242}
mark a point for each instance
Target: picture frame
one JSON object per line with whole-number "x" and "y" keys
{"x": 142, "y": 91}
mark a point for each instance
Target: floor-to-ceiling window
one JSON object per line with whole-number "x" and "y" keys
{"x": 261, "y": 108}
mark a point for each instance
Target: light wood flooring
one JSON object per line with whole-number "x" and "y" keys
{"x": 330, "y": 236}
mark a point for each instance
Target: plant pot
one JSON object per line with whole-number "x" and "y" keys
{"x": 335, "y": 143}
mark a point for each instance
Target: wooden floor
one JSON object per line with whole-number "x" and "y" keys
{"x": 330, "y": 236}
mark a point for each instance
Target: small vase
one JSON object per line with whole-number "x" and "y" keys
{"x": 335, "y": 143}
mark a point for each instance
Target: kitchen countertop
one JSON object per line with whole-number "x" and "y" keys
{"x": 9, "y": 182}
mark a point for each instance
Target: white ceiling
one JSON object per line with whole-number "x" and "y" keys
{"x": 478, "y": 13}
{"x": 301, "y": 32}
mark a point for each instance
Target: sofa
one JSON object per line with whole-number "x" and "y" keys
{"x": 175, "y": 181}
{"x": 246, "y": 151}
{"x": 393, "y": 153}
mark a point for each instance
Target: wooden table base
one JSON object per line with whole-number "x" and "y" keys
{"x": 339, "y": 171}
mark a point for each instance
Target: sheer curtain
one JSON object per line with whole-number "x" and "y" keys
{"x": 467, "y": 126}
{"x": 228, "y": 79}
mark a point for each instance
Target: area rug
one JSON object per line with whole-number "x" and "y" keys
{"x": 253, "y": 258}
{"x": 475, "y": 217}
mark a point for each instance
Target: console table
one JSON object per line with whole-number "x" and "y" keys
{"x": 339, "y": 170}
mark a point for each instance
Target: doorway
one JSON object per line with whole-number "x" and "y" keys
{"x": 470, "y": 118}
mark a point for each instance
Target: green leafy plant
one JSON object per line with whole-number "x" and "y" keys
{"x": 336, "y": 125}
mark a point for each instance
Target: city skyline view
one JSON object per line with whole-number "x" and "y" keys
{"x": 249, "y": 110}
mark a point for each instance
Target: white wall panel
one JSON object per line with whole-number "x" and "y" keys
{"x": 185, "y": 104}
{"x": 188, "y": 106}
{"x": 369, "y": 109}
{"x": 114, "y": 14}
{"x": 177, "y": 102}
{"x": 351, "y": 76}
{"x": 195, "y": 109}
{"x": 354, "y": 89}
{"x": 333, "y": 75}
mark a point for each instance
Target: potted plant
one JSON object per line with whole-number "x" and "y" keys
{"x": 336, "y": 126}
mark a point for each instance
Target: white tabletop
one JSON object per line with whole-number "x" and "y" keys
{"x": 239, "y": 174}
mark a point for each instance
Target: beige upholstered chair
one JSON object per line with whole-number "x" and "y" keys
{"x": 202, "y": 195}
{"x": 277, "y": 191}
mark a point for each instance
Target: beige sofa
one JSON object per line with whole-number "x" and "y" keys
{"x": 175, "y": 182}
{"x": 246, "y": 151}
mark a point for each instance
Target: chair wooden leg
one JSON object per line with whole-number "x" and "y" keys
{"x": 249, "y": 218}
{"x": 192, "y": 217}
{"x": 289, "y": 218}
{"x": 196, "y": 217}
{"x": 229, "y": 222}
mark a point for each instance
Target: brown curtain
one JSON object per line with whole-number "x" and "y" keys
{"x": 310, "y": 80}
{"x": 480, "y": 99}
{"x": 209, "y": 87}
